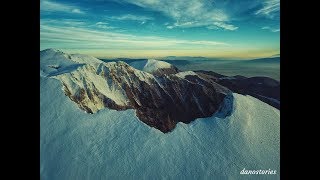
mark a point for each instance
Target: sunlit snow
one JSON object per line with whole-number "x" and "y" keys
{"x": 114, "y": 144}
{"x": 150, "y": 65}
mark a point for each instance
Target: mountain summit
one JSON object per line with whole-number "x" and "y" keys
{"x": 155, "y": 67}
{"x": 161, "y": 99}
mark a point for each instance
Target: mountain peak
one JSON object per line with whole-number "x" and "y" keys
{"x": 153, "y": 65}
{"x": 156, "y": 67}
{"x": 161, "y": 98}
{"x": 159, "y": 101}
{"x": 53, "y": 61}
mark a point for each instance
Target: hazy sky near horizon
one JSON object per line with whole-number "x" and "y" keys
{"x": 159, "y": 28}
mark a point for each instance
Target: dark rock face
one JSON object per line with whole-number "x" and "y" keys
{"x": 166, "y": 71}
{"x": 263, "y": 88}
{"x": 178, "y": 101}
{"x": 160, "y": 101}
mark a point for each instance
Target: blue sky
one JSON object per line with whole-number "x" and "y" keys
{"x": 235, "y": 29}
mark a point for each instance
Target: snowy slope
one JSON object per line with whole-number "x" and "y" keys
{"x": 102, "y": 79}
{"x": 116, "y": 145}
{"x": 54, "y": 61}
{"x": 85, "y": 77}
{"x": 186, "y": 73}
{"x": 85, "y": 59}
{"x": 150, "y": 65}
{"x": 51, "y": 61}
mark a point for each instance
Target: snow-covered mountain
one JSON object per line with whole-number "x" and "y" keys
{"x": 54, "y": 61}
{"x": 155, "y": 67}
{"x": 235, "y": 131}
{"x": 159, "y": 101}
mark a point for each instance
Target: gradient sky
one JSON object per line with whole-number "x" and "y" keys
{"x": 239, "y": 29}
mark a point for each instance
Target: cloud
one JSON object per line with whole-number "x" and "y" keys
{"x": 75, "y": 23}
{"x": 270, "y": 9}
{"x": 49, "y": 6}
{"x": 130, "y": 17}
{"x": 78, "y": 11}
{"x": 217, "y": 14}
{"x": 185, "y": 13}
{"x": 214, "y": 25}
{"x": 225, "y": 26}
{"x": 65, "y": 22}
{"x": 83, "y": 38}
{"x": 101, "y": 23}
{"x": 104, "y": 26}
{"x": 271, "y": 29}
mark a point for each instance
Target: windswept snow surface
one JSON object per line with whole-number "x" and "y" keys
{"x": 85, "y": 59}
{"x": 54, "y": 61}
{"x": 51, "y": 61}
{"x": 186, "y": 73}
{"x": 114, "y": 144}
{"x": 150, "y": 65}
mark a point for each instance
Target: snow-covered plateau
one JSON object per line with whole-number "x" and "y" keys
{"x": 111, "y": 144}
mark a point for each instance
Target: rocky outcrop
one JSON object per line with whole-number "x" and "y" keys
{"x": 165, "y": 71}
{"x": 263, "y": 88}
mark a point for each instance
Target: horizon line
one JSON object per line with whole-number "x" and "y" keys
{"x": 163, "y": 57}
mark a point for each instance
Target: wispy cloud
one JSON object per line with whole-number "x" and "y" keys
{"x": 109, "y": 26}
{"x": 66, "y": 22}
{"x": 271, "y": 29}
{"x": 86, "y": 38}
{"x": 225, "y": 26}
{"x": 186, "y": 13}
{"x": 214, "y": 25}
{"x": 217, "y": 14}
{"x": 49, "y": 6}
{"x": 103, "y": 25}
{"x": 270, "y": 8}
{"x": 75, "y": 23}
{"x": 130, "y": 17}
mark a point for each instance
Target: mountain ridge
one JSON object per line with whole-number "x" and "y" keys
{"x": 160, "y": 100}
{"x": 161, "y": 95}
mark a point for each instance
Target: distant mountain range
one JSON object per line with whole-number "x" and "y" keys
{"x": 264, "y": 60}
{"x": 185, "y": 58}
{"x": 197, "y": 58}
